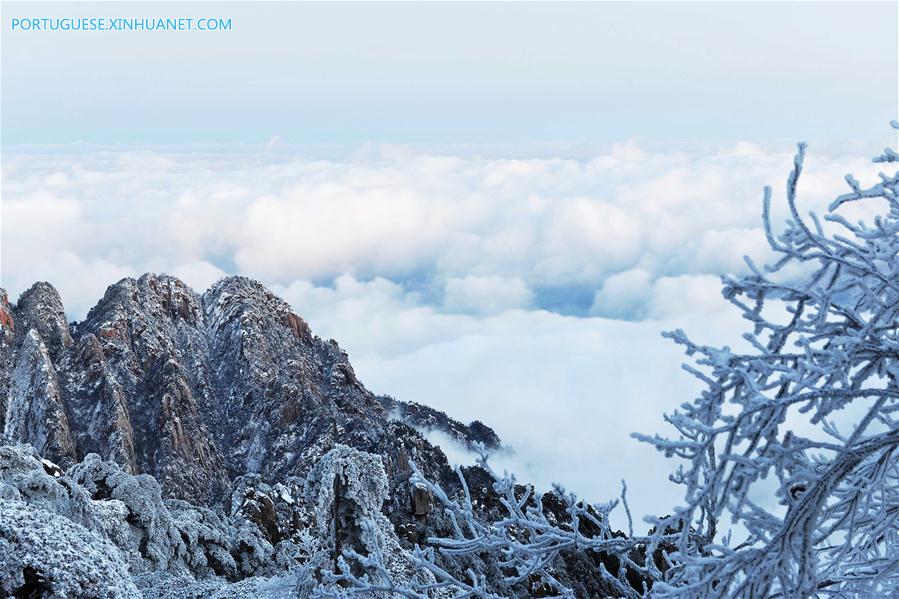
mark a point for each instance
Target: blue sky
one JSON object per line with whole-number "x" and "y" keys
{"x": 495, "y": 208}
{"x": 435, "y": 73}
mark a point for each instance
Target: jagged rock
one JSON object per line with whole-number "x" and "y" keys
{"x": 51, "y": 468}
{"x": 40, "y": 308}
{"x": 299, "y": 327}
{"x": 145, "y": 350}
{"x": 104, "y": 423}
{"x": 421, "y": 500}
{"x": 264, "y": 515}
{"x": 424, "y": 418}
{"x": 34, "y": 408}
{"x": 215, "y": 444}
{"x": 347, "y": 489}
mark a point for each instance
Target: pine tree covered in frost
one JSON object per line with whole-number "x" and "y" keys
{"x": 788, "y": 457}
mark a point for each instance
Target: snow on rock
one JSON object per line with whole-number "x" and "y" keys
{"x": 43, "y": 554}
{"x": 266, "y": 540}
{"x": 99, "y": 531}
{"x": 40, "y": 308}
{"x": 34, "y": 409}
{"x": 157, "y": 538}
{"x": 347, "y": 490}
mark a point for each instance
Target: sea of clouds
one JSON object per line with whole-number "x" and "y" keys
{"x": 527, "y": 293}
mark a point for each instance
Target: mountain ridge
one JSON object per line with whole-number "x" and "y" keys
{"x": 154, "y": 360}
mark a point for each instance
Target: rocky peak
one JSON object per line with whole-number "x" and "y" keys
{"x": 426, "y": 419}
{"x": 150, "y": 301}
{"x": 40, "y": 308}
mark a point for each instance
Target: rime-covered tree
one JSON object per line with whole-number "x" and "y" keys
{"x": 792, "y": 444}
{"x": 796, "y": 439}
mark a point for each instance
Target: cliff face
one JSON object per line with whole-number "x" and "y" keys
{"x": 194, "y": 389}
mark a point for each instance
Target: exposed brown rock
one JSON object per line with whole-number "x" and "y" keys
{"x": 421, "y": 500}
{"x": 299, "y": 327}
{"x": 402, "y": 462}
{"x": 6, "y": 320}
{"x": 260, "y": 508}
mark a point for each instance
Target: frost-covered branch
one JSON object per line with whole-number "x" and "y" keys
{"x": 525, "y": 543}
{"x": 796, "y": 440}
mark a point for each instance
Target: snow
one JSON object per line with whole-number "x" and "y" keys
{"x": 74, "y": 561}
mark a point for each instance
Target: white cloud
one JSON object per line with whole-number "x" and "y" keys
{"x": 200, "y": 275}
{"x": 623, "y": 294}
{"x": 563, "y": 392}
{"x": 486, "y": 295}
{"x": 453, "y": 224}
{"x": 687, "y": 294}
{"x": 39, "y": 215}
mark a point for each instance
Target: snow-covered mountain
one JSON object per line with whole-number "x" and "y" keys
{"x": 202, "y": 444}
